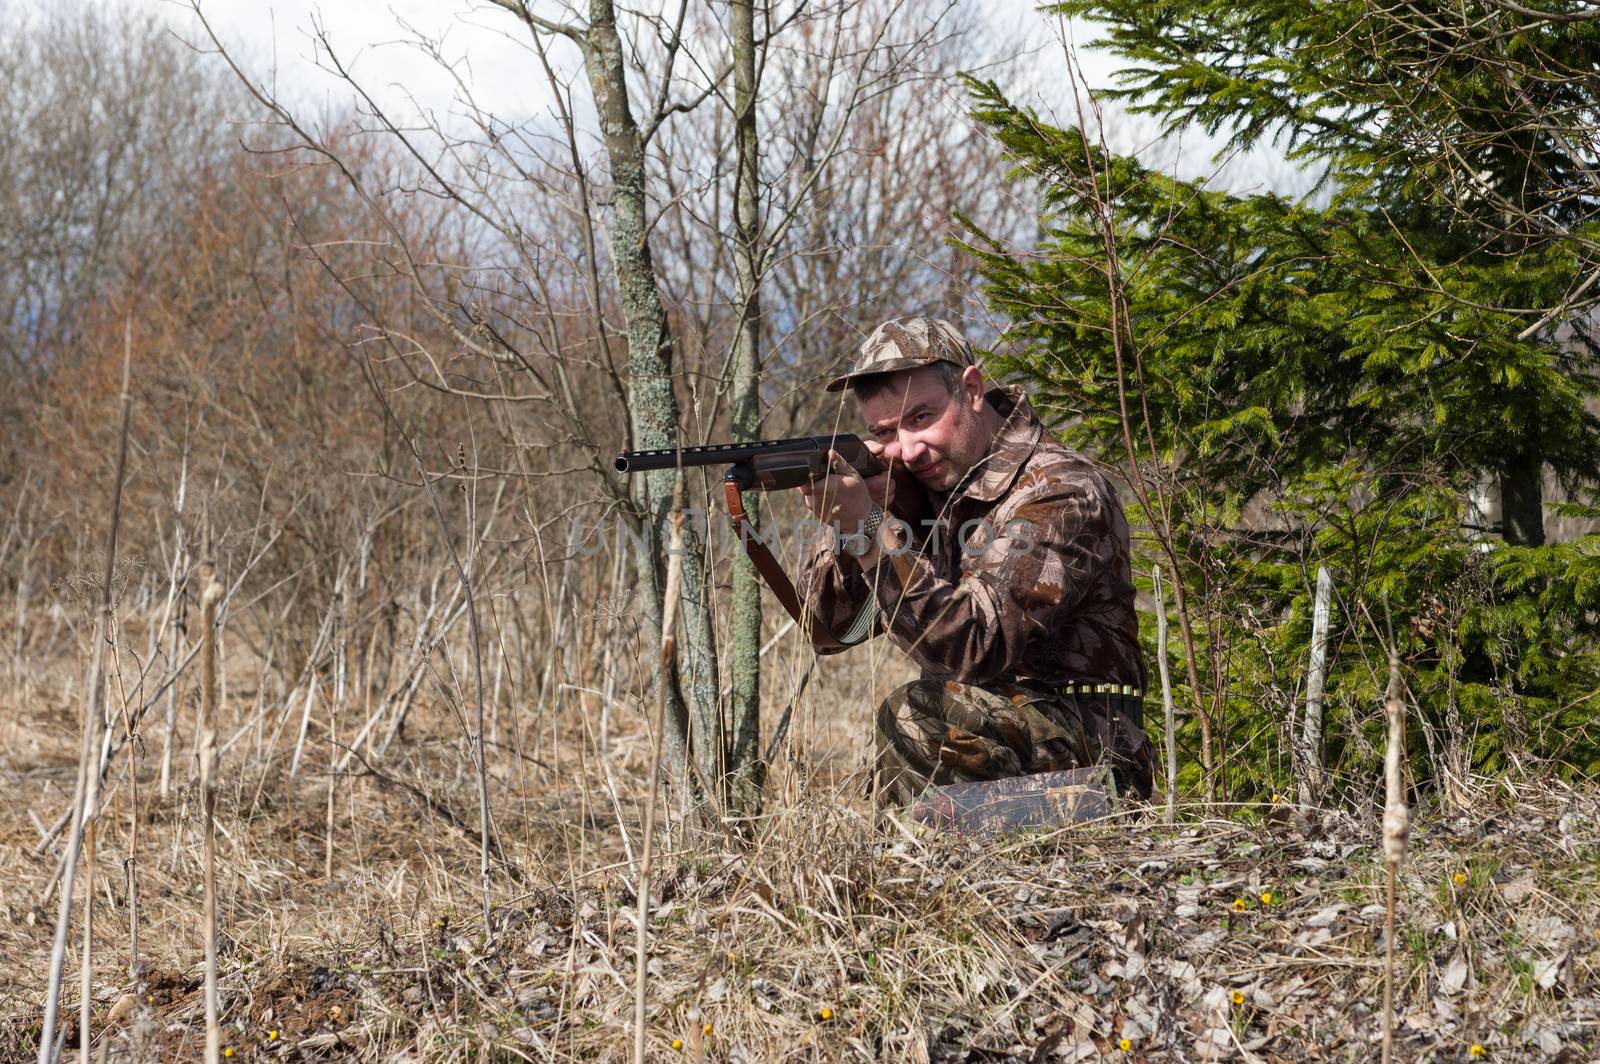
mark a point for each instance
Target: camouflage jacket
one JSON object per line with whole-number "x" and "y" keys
{"x": 1036, "y": 539}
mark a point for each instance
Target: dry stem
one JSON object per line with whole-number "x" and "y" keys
{"x": 668, "y": 617}
{"x": 88, "y": 788}
{"x": 1396, "y": 826}
{"x": 210, "y": 595}
{"x": 1166, "y": 697}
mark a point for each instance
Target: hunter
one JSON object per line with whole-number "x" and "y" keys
{"x": 1015, "y": 598}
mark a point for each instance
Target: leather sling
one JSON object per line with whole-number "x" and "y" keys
{"x": 772, "y": 572}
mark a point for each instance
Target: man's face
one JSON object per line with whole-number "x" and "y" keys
{"x": 934, "y": 434}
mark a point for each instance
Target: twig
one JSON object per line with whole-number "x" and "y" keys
{"x": 130, "y": 863}
{"x": 664, "y": 663}
{"x": 88, "y": 788}
{"x": 1150, "y": 492}
{"x": 435, "y": 805}
{"x": 210, "y": 595}
{"x": 175, "y": 600}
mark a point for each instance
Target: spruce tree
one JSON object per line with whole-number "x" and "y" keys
{"x": 1326, "y": 381}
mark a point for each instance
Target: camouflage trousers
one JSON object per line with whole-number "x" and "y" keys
{"x": 938, "y": 732}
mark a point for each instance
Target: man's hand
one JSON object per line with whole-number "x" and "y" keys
{"x": 844, "y": 499}
{"x": 840, "y": 496}
{"x": 880, "y": 487}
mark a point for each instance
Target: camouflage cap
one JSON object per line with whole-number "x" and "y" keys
{"x": 906, "y": 343}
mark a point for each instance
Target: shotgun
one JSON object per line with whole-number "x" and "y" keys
{"x": 765, "y": 465}
{"x": 774, "y": 465}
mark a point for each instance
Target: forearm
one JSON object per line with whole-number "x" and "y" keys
{"x": 831, "y": 588}
{"x": 961, "y": 631}
{"x": 1015, "y": 589}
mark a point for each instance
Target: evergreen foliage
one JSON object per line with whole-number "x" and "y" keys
{"x": 1286, "y": 384}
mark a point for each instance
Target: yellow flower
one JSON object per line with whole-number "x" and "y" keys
{"x": 1277, "y": 797}
{"x": 1266, "y": 897}
{"x": 677, "y": 1043}
{"x": 1124, "y": 1045}
{"x": 272, "y": 1035}
{"x": 1459, "y": 878}
{"x": 228, "y": 1052}
{"x": 826, "y": 1013}
{"x": 706, "y": 1029}
{"x": 1238, "y": 905}
{"x": 1237, "y": 997}
{"x": 1477, "y": 1050}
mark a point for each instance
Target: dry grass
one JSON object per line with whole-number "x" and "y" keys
{"x": 1040, "y": 947}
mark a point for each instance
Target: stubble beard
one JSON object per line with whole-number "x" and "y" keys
{"x": 954, "y": 465}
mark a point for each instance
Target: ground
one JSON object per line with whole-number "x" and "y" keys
{"x": 817, "y": 932}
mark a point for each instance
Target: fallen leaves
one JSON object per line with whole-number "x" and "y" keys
{"x": 1457, "y": 975}
{"x": 1119, "y": 941}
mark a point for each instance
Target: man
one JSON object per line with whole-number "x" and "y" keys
{"x": 1013, "y": 599}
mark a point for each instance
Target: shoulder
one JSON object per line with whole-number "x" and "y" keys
{"x": 1055, "y": 473}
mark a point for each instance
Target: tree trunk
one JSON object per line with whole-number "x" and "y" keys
{"x": 1522, "y": 501}
{"x": 744, "y": 767}
{"x": 1310, "y": 746}
{"x": 652, "y": 405}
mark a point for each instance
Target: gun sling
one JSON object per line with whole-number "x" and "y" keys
{"x": 772, "y": 572}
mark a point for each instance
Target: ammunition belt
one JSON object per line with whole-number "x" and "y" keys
{"x": 1123, "y": 698}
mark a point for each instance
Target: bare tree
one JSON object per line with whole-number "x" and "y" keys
{"x": 675, "y": 252}
{"x": 745, "y": 647}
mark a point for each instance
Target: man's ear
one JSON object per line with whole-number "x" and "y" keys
{"x": 972, "y": 388}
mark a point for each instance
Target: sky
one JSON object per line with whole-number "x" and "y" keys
{"x": 485, "y": 44}
{"x": 378, "y": 42}
{"x": 488, "y": 51}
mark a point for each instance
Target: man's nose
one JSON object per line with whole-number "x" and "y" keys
{"x": 911, "y": 448}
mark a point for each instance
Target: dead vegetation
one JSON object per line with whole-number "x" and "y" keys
{"x": 825, "y": 936}
{"x": 401, "y": 875}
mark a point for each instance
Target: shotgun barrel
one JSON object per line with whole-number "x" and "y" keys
{"x": 762, "y": 465}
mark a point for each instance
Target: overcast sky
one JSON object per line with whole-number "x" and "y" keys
{"x": 377, "y": 40}
{"x": 490, "y": 54}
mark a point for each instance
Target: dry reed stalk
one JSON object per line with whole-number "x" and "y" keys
{"x": 210, "y": 595}
{"x": 664, "y": 663}
{"x": 607, "y": 777}
{"x": 1166, "y": 697}
{"x": 86, "y": 964}
{"x": 164, "y": 786}
{"x": 607, "y": 669}
{"x": 367, "y": 686}
{"x": 87, "y": 792}
{"x": 175, "y": 600}
{"x": 494, "y": 690}
{"x": 325, "y": 637}
{"x": 463, "y": 573}
{"x": 333, "y": 785}
{"x": 308, "y": 676}
{"x": 130, "y": 864}
{"x": 1396, "y": 828}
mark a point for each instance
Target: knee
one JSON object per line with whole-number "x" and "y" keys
{"x": 907, "y": 705}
